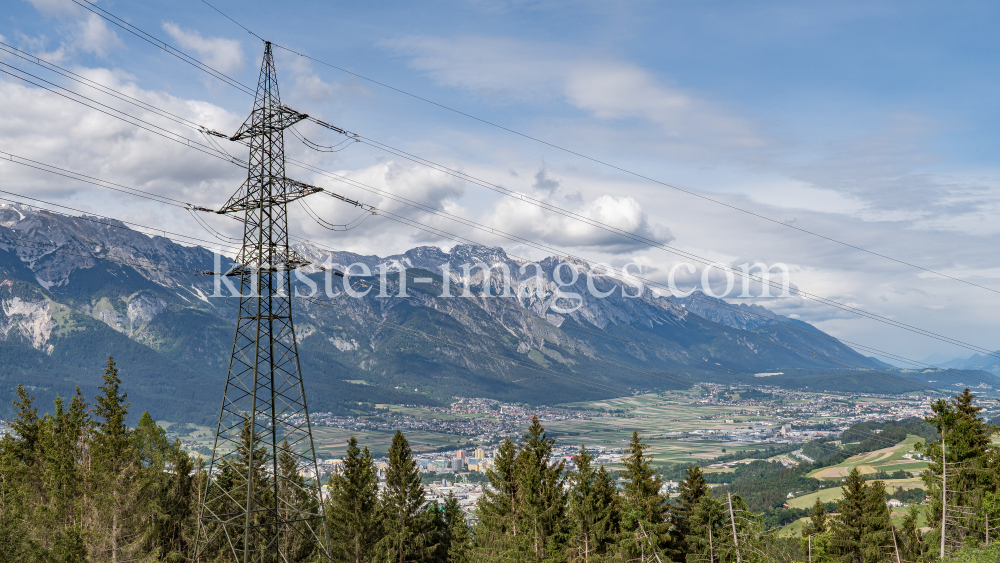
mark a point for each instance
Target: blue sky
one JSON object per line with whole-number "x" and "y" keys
{"x": 870, "y": 122}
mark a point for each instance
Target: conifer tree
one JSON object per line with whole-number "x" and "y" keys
{"x": 909, "y": 538}
{"x": 454, "y": 538}
{"x": 592, "y": 508}
{"x": 693, "y": 488}
{"x": 848, "y": 530}
{"x": 609, "y": 498}
{"x": 177, "y": 506}
{"x": 707, "y": 530}
{"x": 17, "y": 493}
{"x": 61, "y": 514}
{"x": 352, "y": 508}
{"x": 876, "y": 536}
{"x": 405, "y": 523}
{"x": 119, "y": 488}
{"x": 971, "y": 460}
{"x": 248, "y": 466}
{"x": 498, "y": 509}
{"x": 26, "y": 427}
{"x": 645, "y": 527}
{"x": 541, "y": 497}
{"x": 294, "y": 497}
{"x": 817, "y": 520}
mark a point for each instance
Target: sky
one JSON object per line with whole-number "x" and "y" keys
{"x": 765, "y": 132}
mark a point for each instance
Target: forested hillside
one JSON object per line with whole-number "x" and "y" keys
{"x": 82, "y": 485}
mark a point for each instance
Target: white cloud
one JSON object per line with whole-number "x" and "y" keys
{"x": 56, "y": 7}
{"x": 309, "y": 87}
{"x": 509, "y": 70}
{"x": 42, "y": 126}
{"x": 82, "y": 31}
{"x": 622, "y": 213}
{"x": 224, "y": 55}
{"x": 94, "y": 36}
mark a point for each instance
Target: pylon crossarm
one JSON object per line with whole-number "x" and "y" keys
{"x": 245, "y": 198}
{"x": 256, "y": 125}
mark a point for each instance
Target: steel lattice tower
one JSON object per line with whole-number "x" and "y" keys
{"x": 257, "y": 506}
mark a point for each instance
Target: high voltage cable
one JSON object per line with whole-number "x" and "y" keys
{"x": 697, "y": 317}
{"x": 245, "y": 89}
{"x": 490, "y": 229}
{"x": 509, "y": 236}
{"x": 627, "y": 366}
{"x": 93, "y": 220}
{"x": 714, "y": 303}
{"x": 88, "y": 82}
{"x": 160, "y": 44}
{"x": 621, "y": 365}
{"x": 654, "y": 244}
{"x": 518, "y": 133}
{"x": 636, "y": 174}
{"x": 637, "y": 238}
{"x": 51, "y": 247}
{"x": 155, "y": 129}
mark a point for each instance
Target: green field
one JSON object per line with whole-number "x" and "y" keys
{"x": 887, "y": 459}
{"x": 659, "y": 417}
{"x": 898, "y": 514}
{"x": 836, "y": 493}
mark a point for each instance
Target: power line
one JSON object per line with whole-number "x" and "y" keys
{"x": 94, "y": 220}
{"x": 654, "y": 244}
{"x": 632, "y": 236}
{"x": 160, "y": 44}
{"x": 232, "y": 20}
{"x": 145, "y": 125}
{"x": 528, "y": 242}
{"x": 622, "y": 365}
{"x": 638, "y": 175}
{"x": 417, "y": 225}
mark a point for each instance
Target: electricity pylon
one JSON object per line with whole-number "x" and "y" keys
{"x": 262, "y": 497}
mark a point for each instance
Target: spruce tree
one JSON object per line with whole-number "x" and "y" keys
{"x": 119, "y": 486}
{"x": 20, "y": 486}
{"x": 405, "y": 523}
{"x": 498, "y": 509}
{"x": 970, "y": 462}
{"x": 248, "y": 466}
{"x": 60, "y": 449}
{"x": 876, "y": 535}
{"x": 909, "y": 538}
{"x": 848, "y": 530}
{"x": 26, "y": 427}
{"x": 817, "y": 520}
{"x": 645, "y": 526}
{"x": 693, "y": 488}
{"x": 608, "y": 500}
{"x": 591, "y": 510}
{"x": 294, "y": 497}
{"x": 541, "y": 497}
{"x": 454, "y": 541}
{"x": 352, "y": 508}
{"x": 177, "y": 504}
{"x": 707, "y": 534}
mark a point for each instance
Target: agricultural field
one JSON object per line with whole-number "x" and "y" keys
{"x": 834, "y": 494}
{"x": 888, "y": 459}
{"x": 897, "y": 515}
{"x": 659, "y": 417}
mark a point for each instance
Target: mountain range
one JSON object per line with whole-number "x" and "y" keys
{"x": 75, "y": 290}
